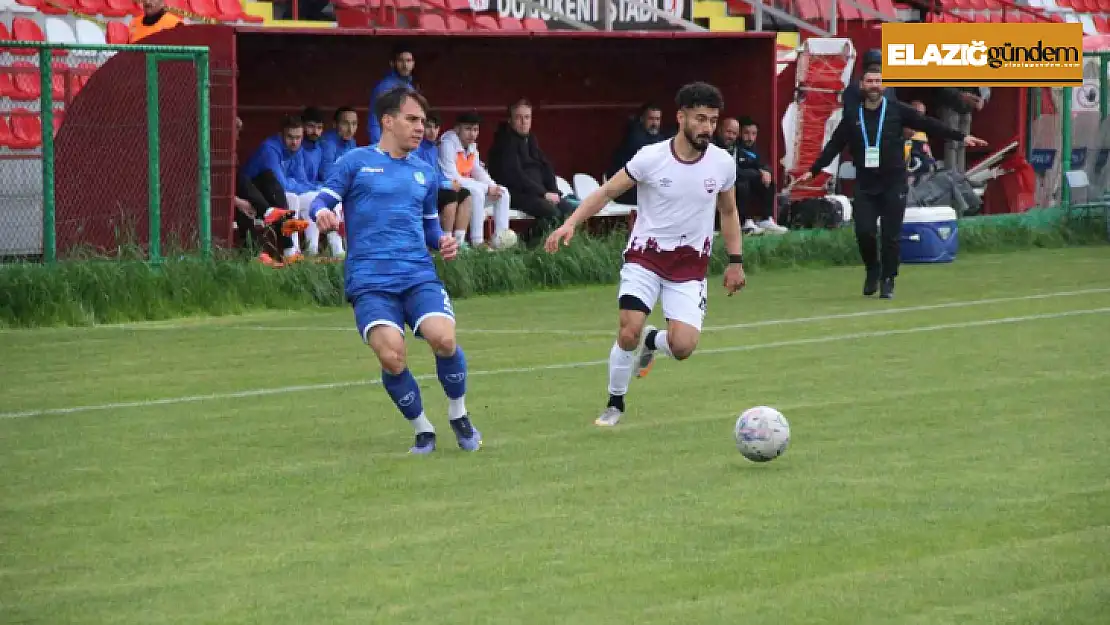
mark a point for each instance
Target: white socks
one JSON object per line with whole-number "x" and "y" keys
{"x": 661, "y": 344}
{"x": 620, "y": 369}
{"x": 335, "y": 242}
{"x": 421, "y": 424}
{"x": 460, "y": 236}
{"x": 456, "y": 408}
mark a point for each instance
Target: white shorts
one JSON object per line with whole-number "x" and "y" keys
{"x": 682, "y": 301}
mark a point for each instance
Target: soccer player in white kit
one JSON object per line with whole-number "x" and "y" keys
{"x": 679, "y": 184}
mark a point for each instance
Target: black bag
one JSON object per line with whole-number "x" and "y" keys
{"x": 811, "y": 213}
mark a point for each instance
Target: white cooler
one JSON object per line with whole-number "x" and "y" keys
{"x": 930, "y": 234}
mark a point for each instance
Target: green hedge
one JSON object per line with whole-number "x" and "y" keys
{"x": 112, "y": 291}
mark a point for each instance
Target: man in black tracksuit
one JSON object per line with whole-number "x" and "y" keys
{"x": 873, "y": 133}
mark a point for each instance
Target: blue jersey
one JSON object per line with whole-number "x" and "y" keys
{"x": 389, "y": 206}
{"x": 287, "y": 167}
{"x": 332, "y": 147}
{"x": 311, "y": 158}
{"x": 429, "y": 152}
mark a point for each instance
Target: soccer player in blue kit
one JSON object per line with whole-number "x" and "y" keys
{"x": 389, "y": 201}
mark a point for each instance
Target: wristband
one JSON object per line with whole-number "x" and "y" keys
{"x": 736, "y": 259}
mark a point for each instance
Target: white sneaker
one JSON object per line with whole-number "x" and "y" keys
{"x": 609, "y": 418}
{"x": 749, "y": 227}
{"x": 769, "y": 225}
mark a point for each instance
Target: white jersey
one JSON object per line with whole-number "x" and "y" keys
{"x": 676, "y": 201}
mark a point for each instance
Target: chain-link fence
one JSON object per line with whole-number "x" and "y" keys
{"x": 105, "y": 151}
{"x": 1070, "y": 132}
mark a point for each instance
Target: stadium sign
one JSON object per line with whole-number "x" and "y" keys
{"x": 626, "y": 16}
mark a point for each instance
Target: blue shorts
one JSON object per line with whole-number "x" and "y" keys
{"x": 410, "y": 307}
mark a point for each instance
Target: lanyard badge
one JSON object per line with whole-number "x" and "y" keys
{"x": 871, "y": 152}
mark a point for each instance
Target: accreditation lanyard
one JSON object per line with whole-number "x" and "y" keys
{"x": 871, "y": 152}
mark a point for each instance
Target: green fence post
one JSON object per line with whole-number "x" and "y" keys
{"x": 1103, "y": 87}
{"x": 1065, "y": 149}
{"x": 153, "y": 160}
{"x": 46, "y": 110}
{"x": 204, "y": 147}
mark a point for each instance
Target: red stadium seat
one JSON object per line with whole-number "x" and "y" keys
{"x": 7, "y": 89}
{"x": 431, "y": 21}
{"x": 232, "y": 10}
{"x": 26, "y": 82}
{"x": 59, "y": 7}
{"x": 91, "y": 7}
{"x": 534, "y": 24}
{"x": 203, "y": 8}
{"x": 6, "y": 138}
{"x": 24, "y": 29}
{"x": 487, "y": 22}
{"x": 886, "y": 7}
{"x": 1102, "y": 24}
{"x": 117, "y": 33}
{"x": 454, "y": 22}
{"x": 511, "y": 23}
{"x": 59, "y": 117}
{"x": 26, "y": 129}
{"x": 123, "y": 7}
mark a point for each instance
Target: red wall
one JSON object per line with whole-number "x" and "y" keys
{"x": 584, "y": 87}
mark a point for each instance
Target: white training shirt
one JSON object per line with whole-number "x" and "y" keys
{"x": 676, "y": 201}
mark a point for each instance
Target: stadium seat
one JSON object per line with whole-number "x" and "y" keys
{"x": 534, "y": 24}
{"x": 58, "y": 30}
{"x": 57, "y": 7}
{"x": 88, "y": 32}
{"x": 232, "y": 11}
{"x": 511, "y": 23}
{"x": 487, "y": 22}
{"x": 25, "y": 82}
{"x": 5, "y": 133}
{"x": 14, "y": 7}
{"x": 24, "y": 29}
{"x": 117, "y": 33}
{"x": 431, "y": 21}
{"x": 454, "y": 22}
{"x": 7, "y": 89}
{"x": 26, "y": 129}
{"x": 121, "y": 8}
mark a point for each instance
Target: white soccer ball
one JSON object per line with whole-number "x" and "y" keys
{"x": 504, "y": 240}
{"x": 762, "y": 434}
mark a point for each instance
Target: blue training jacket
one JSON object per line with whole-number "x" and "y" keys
{"x": 390, "y": 81}
{"x": 288, "y": 167}
{"x": 331, "y": 148}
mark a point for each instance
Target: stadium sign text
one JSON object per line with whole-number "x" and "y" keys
{"x": 625, "y": 16}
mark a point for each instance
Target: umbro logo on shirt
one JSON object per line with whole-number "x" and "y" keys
{"x": 372, "y": 170}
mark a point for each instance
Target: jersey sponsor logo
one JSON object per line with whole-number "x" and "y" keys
{"x": 665, "y": 183}
{"x": 419, "y": 177}
{"x": 710, "y": 185}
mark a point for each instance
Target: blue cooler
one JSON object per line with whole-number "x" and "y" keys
{"x": 930, "y": 235}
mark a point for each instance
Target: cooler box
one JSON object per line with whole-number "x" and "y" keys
{"x": 930, "y": 235}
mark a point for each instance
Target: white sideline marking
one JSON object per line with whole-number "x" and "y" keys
{"x": 170, "y": 325}
{"x": 553, "y": 367}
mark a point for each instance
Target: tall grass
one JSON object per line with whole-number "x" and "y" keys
{"x": 90, "y": 292}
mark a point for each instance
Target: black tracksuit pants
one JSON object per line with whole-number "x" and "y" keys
{"x": 263, "y": 192}
{"x": 880, "y": 252}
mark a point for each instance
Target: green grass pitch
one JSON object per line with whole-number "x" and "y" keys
{"x": 950, "y": 463}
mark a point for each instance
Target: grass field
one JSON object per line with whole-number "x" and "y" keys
{"x": 949, "y": 464}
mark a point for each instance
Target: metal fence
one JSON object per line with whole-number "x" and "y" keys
{"x": 104, "y": 150}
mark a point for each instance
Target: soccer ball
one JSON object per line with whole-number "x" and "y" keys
{"x": 762, "y": 434}
{"x": 504, "y": 240}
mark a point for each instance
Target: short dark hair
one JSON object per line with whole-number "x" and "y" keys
{"x": 648, "y": 106}
{"x": 698, "y": 94}
{"x": 400, "y": 49}
{"x": 872, "y": 69}
{"x": 747, "y": 121}
{"x": 312, "y": 114}
{"x": 290, "y": 122}
{"x": 343, "y": 109}
{"x": 519, "y": 103}
{"x": 390, "y": 102}
{"x": 435, "y": 119}
{"x": 470, "y": 117}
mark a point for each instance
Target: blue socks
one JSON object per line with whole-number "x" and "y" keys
{"x": 452, "y": 374}
{"x": 405, "y": 393}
